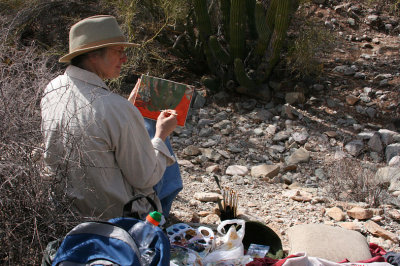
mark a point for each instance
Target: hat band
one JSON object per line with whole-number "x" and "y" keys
{"x": 101, "y": 42}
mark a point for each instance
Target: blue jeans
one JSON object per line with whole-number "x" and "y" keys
{"x": 171, "y": 182}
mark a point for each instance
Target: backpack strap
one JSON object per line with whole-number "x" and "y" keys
{"x": 127, "y": 211}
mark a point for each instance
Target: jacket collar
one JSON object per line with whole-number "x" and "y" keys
{"x": 86, "y": 76}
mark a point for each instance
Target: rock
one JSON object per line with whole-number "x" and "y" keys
{"x": 211, "y": 154}
{"x": 360, "y": 213}
{"x": 354, "y": 147}
{"x": 300, "y": 155}
{"x": 394, "y": 214}
{"x": 388, "y": 176}
{"x": 351, "y": 226}
{"x": 265, "y": 171}
{"x": 336, "y": 214}
{"x": 210, "y": 219}
{"x": 199, "y": 100}
{"x": 281, "y": 135}
{"x": 300, "y": 137}
{"x": 392, "y": 150}
{"x": 207, "y": 196}
{"x": 213, "y": 169}
{"x": 395, "y": 161}
{"x": 371, "y": 112}
{"x": 346, "y": 70}
{"x": 351, "y": 21}
{"x": 331, "y": 134}
{"x": 295, "y": 97}
{"x": 377, "y": 230}
{"x": 375, "y": 143}
{"x": 387, "y": 136}
{"x": 191, "y": 150}
{"x": 185, "y": 163}
{"x": 237, "y": 170}
{"x": 298, "y": 195}
{"x": 262, "y": 116}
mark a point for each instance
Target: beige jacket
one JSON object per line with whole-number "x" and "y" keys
{"x": 97, "y": 145}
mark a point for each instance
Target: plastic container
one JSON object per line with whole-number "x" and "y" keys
{"x": 143, "y": 233}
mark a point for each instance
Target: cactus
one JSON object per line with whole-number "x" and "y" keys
{"x": 248, "y": 39}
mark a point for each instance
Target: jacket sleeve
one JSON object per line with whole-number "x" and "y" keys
{"x": 142, "y": 161}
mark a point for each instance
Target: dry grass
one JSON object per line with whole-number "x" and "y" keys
{"x": 350, "y": 180}
{"x": 30, "y": 216}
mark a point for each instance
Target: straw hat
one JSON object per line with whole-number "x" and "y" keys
{"x": 93, "y": 33}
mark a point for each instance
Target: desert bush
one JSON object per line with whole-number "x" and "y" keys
{"x": 350, "y": 180}
{"x": 30, "y": 215}
{"x": 310, "y": 42}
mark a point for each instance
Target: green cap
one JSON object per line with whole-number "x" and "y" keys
{"x": 154, "y": 218}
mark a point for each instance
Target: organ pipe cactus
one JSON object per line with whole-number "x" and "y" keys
{"x": 243, "y": 43}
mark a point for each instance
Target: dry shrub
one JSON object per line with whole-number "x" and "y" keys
{"x": 351, "y": 180}
{"x": 30, "y": 216}
{"x": 311, "y": 41}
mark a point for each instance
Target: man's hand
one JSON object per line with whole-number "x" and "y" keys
{"x": 166, "y": 123}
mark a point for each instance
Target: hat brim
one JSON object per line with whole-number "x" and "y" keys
{"x": 67, "y": 58}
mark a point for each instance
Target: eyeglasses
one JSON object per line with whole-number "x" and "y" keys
{"x": 121, "y": 52}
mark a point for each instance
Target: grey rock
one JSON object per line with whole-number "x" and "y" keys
{"x": 360, "y": 75}
{"x": 295, "y": 97}
{"x": 383, "y": 76}
{"x": 375, "y": 143}
{"x": 258, "y": 131}
{"x": 391, "y": 151}
{"x": 234, "y": 148}
{"x": 221, "y": 116}
{"x": 237, "y": 170}
{"x": 375, "y": 157}
{"x": 206, "y": 132}
{"x": 354, "y": 147}
{"x": 204, "y": 122}
{"x": 271, "y": 129}
{"x": 300, "y": 137}
{"x": 281, "y": 135}
{"x": 209, "y": 143}
{"x": 387, "y": 136}
{"x": 199, "y": 101}
{"x": 262, "y": 116}
{"x": 395, "y": 161}
{"x": 346, "y": 70}
{"x": 351, "y": 21}
{"x": 371, "y": 112}
{"x": 249, "y": 105}
{"x": 389, "y": 176}
{"x": 365, "y": 135}
{"x": 223, "y": 124}
{"x": 191, "y": 150}
{"x": 383, "y": 82}
{"x": 265, "y": 171}
{"x": 277, "y": 148}
{"x": 211, "y": 154}
{"x": 298, "y": 156}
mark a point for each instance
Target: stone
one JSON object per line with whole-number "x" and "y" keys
{"x": 298, "y": 156}
{"x": 300, "y": 137}
{"x": 375, "y": 143}
{"x": 360, "y": 213}
{"x": 265, "y": 171}
{"x": 391, "y": 151}
{"x": 377, "y": 230}
{"x": 211, "y": 154}
{"x": 262, "y": 116}
{"x": 354, "y": 147}
{"x": 281, "y": 135}
{"x": 295, "y": 97}
{"x": 237, "y": 170}
{"x": 298, "y": 195}
{"x": 388, "y": 176}
{"x": 210, "y": 219}
{"x": 394, "y": 214}
{"x": 185, "y": 163}
{"x": 213, "y": 169}
{"x": 351, "y": 226}
{"x": 207, "y": 196}
{"x": 336, "y": 214}
{"x": 331, "y": 134}
{"x": 346, "y": 70}
{"x": 387, "y": 136}
{"x": 191, "y": 150}
{"x": 395, "y": 161}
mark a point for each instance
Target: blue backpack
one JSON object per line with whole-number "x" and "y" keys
{"x": 108, "y": 243}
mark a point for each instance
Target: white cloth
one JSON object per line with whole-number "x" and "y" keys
{"x": 304, "y": 260}
{"x": 96, "y": 143}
